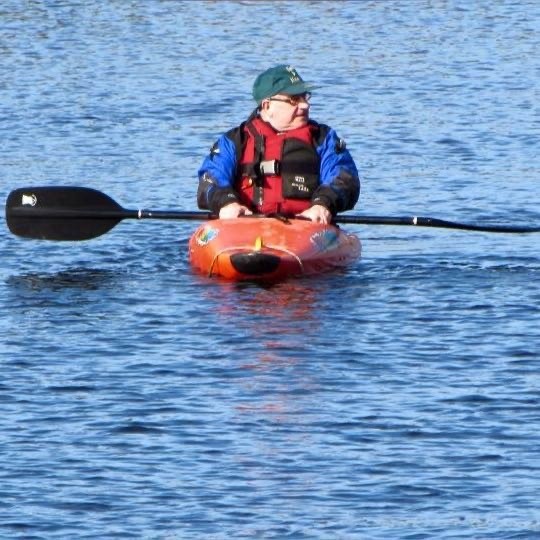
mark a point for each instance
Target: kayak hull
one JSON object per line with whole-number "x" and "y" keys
{"x": 270, "y": 249}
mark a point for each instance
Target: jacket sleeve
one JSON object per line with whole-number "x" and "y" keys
{"x": 340, "y": 182}
{"x": 216, "y": 176}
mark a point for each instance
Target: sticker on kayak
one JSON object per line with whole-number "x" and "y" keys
{"x": 325, "y": 240}
{"x": 206, "y": 235}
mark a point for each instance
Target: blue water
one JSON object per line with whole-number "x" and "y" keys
{"x": 398, "y": 399}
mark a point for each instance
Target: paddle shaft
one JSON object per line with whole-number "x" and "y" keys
{"x": 433, "y": 222}
{"x": 66, "y": 213}
{"x": 79, "y": 213}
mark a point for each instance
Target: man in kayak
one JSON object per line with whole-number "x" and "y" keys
{"x": 278, "y": 160}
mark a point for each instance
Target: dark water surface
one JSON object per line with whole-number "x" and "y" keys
{"x": 399, "y": 399}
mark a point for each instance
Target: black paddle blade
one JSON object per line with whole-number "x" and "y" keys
{"x": 61, "y": 213}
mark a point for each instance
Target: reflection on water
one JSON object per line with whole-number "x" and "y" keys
{"x": 277, "y": 311}
{"x": 269, "y": 331}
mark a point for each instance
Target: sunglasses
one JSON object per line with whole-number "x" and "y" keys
{"x": 293, "y": 100}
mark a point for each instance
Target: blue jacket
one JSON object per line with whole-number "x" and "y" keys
{"x": 339, "y": 187}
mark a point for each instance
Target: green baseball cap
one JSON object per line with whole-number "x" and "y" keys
{"x": 280, "y": 79}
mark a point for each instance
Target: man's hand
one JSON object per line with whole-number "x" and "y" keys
{"x": 318, "y": 213}
{"x": 234, "y": 210}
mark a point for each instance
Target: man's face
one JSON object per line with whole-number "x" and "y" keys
{"x": 286, "y": 112}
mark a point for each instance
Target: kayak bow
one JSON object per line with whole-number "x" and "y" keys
{"x": 270, "y": 249}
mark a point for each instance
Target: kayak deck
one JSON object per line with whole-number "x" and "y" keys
{"x": 270, "y": 249}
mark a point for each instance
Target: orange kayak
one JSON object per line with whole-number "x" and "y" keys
{"x": 270, "y": 249}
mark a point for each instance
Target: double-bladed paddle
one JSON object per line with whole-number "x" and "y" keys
{"x": 80, "y": 213}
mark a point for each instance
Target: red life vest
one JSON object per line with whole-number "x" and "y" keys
{"x": 278, "y": 172}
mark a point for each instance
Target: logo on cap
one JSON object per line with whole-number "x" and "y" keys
{"x": 294, "y": 77}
